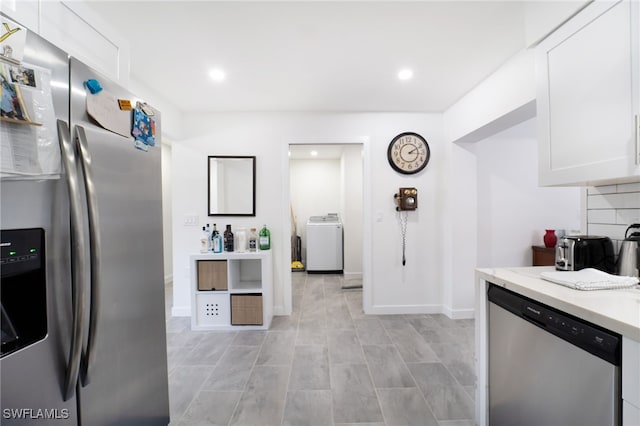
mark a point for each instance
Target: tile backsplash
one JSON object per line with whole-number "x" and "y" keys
{"x": 611, "y": 209}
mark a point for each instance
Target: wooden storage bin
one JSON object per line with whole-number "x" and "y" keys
{"x": 212, "y": 275}
{"x": 246, "y": 309}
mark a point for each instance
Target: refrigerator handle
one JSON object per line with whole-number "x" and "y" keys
{"x": 78, "y": 258}
{"x": 94, "y": 250}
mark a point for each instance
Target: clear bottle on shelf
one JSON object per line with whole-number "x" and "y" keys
{"x": 205, "y": 241}
{"x": 209, "y": 234}
{"x": 241, "y": 240}
{"x": 265, "y": 238}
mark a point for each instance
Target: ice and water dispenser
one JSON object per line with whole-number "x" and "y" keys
{"x": 23, "y": 300}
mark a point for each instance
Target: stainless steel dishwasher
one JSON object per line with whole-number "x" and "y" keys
{"x": 548, "y": 368}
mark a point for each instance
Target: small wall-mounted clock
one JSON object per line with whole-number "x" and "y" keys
{"x": 408, "y": 153}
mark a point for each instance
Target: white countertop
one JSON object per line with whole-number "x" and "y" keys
{"x": 616, "y": 310}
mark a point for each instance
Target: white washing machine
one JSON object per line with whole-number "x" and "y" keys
{"x": 325, "y": 244}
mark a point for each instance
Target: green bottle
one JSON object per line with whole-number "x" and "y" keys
{"x": 265, "y": 238}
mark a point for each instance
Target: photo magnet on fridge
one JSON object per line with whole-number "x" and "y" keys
{"x": 143, "y": 129}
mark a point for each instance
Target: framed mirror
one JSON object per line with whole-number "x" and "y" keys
{"x": 231, "y": 186}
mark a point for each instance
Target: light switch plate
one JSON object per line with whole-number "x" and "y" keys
{"x": 191, "y": 220}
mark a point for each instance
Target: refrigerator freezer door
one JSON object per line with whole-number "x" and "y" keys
{"x": 33, "y": 378}
{"x": 128, "y": 376}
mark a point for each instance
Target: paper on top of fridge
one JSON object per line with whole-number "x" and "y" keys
{"x": 29, "y": 140}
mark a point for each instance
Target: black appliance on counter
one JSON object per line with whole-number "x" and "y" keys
{"x": 576, "y": 252}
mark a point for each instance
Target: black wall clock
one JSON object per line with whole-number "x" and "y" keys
{"x": 408, "y": 153}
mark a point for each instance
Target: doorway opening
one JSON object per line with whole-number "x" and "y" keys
{"x": 326, "y": 183}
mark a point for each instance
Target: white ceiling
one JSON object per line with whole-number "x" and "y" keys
{"x": 316, "y": 55}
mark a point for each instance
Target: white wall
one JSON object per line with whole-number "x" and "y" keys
{"x": 351, "y": 194}
{"x": 513, "y": 211}
{"x": 459, "y": 238}
{"x": 389, "y": 287}
{"x": 479, "y": 204}
{"x": 504, "y": 99}
{"x": 494, "y": 211}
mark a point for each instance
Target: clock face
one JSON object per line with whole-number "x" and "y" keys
{"x": 408, "y": 153}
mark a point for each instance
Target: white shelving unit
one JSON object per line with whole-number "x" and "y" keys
{"x": 248, "y": 274}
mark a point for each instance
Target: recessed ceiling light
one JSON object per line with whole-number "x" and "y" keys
{"x": 314, "y": 153}
{"x": 405, "y": 74}
{"x": 217, "y": 75}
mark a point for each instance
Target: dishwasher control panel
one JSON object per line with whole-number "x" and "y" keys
{"x": 603, "y": 343}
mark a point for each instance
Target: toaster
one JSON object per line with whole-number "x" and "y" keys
{"x": 575, "y": 252}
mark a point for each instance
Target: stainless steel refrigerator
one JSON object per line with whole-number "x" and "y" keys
{"x": 82, "y": 271}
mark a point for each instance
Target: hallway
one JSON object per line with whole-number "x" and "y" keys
{"x": 326, "y": 364}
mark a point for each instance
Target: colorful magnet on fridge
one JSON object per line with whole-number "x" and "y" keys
{"x": 146, "y": 108}
{"x": 93, "y": 86}
{"x": 143, "y": 128}
{"x": 125, "y": 104}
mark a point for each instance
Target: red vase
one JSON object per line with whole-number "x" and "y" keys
{"x": 550, "y": 238}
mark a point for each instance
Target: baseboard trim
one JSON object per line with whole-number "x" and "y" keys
{"x": 458, "y": 313}
{"x": 185, "y": 311}
{"x": 405, "y": 309}
{"x": 279, "y": 311}
{"x": 353, "y": 275}
{"x": 421, "y": 309}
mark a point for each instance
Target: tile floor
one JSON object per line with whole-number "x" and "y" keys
{"x": 326, "y": 364}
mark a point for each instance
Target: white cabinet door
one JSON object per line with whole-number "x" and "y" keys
{"x": 77, "y": 29}
{"x": 588, "y": 93}
{"x": 24, "y": 12}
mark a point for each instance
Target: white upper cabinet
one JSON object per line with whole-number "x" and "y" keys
{"x": 25, "y": 12}
{"x": 588, "y": 93}
{"x": 77, "y": 29}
